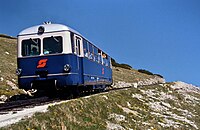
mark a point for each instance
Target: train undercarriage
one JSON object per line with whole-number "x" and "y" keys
{"x": 50, "y": 88}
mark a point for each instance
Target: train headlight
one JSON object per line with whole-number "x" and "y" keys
{"x": 67, "y": 68}
{"x": 18, "y": 71}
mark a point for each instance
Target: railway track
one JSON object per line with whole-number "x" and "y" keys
{"x": 23, "y": 103}
{"x": 19, "y": 104}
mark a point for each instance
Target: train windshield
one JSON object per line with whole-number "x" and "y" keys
{"x": 52, "y": 45}
{"x": 31, "y": 47}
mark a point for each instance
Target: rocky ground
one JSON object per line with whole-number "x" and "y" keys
{"x": 160, "y": 106}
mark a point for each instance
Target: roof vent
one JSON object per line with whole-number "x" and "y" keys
{"x": 47, "y": 22}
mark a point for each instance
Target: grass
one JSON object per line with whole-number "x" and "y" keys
{"x": 82, "y": 113}
{"x": 130, "y": 76}
{"x": 8, "y": 52}
{"x": 116, "y": 107}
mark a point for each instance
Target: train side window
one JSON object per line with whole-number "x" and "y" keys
{"x": 52, "y": 45}
{"x": 31, "y": 47}
{"x": 105, "y": 59}
{"x": 90, "y": 51}
{"x": 85, "y": 48}
{"x": 99, "y": 56}
{"x": 109, "y": 61}
{"x": 95, "y": 54}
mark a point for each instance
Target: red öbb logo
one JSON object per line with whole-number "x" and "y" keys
{"x": 42, "y": 63}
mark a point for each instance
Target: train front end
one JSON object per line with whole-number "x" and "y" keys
{"x": 45, "y": 57}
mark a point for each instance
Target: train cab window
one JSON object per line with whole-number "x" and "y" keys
{"x": 90, "y": 51}
{"x": 52, "y": 45}
{"x": 31, "y": 47}
{"x": 85, "y": 48}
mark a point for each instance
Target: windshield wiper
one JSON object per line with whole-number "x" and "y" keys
{"x": 55, "y": 39}
{"x": 34, "y": 41}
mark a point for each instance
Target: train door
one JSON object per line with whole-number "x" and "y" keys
{"x": 78, "y": 45}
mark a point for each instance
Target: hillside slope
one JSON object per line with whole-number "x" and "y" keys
{"x": 149, "y": 104}
{"x": 8, "y": 79}
{"x": 153, "y": 107}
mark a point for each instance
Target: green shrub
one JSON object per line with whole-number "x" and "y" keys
{"x": 125, "y": 66}
{"x": 149, "y": 73}
{"x": 145, "y": 71}
{"x": 114, "y": 63}
{"x": 159, "y": 75}
{"x": 6, "y": 36}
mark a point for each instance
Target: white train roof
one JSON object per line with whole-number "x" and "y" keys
{"x": 48, "y": 28}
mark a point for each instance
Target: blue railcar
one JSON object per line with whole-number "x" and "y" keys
{"x": 56, "y": 55}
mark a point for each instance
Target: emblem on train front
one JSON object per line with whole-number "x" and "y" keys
{"x": 42, "y": 63}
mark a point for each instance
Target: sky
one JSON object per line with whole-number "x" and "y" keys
{"x": 161, "y": 36}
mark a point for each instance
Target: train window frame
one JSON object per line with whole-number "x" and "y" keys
{"x": 31, "y": 48}
{"x": 109, "y": 61}
{"x": 105, "y": 59}
{"x": 99, "y": 56}
{"x": 91, "y": 51}
{"x": 85, "y": 48}
{"x": 77, "y": 45}
{"x": 72, "y": 42}
{"x": 48, "y": 49}
{"x": 95, "y": 54}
